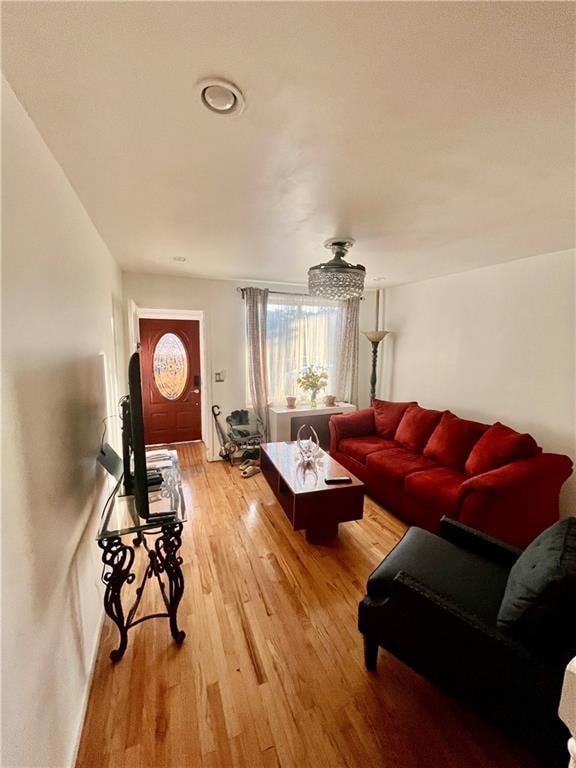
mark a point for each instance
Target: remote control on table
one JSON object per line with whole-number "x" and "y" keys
{"x": 153, "y": 477}
{"x": 337, "y": 480}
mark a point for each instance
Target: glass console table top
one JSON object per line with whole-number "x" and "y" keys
{"x": 166, "y": 504}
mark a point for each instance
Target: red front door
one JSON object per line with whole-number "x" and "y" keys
{"x": 170, "y": 363}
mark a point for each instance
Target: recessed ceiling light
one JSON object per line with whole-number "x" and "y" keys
{"x": 221, "y": 97}
{"x": 178, "y": 258}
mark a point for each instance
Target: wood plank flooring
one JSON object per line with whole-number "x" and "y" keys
{"x": 271, "y": 672}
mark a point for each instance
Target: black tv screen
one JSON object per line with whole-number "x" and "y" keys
{"x": 133, "y": 442}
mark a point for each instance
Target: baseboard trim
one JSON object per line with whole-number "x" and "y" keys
{"x": 87, "y": 690}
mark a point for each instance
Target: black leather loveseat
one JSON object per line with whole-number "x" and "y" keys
{"x": 491, "y": 624}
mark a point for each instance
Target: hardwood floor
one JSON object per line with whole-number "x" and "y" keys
{"x": 271, "y": 672}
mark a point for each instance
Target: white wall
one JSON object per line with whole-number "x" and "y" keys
{"x": 61, "y": 290}
{"x": 494, "y": 344}
{"x": 224, "y": 329}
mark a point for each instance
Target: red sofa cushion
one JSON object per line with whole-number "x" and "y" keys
{"x": 453, "y": 439}
{"x": 360, "y": 447}
{"x": 416, "y": 426}
{"x": 437, "y": 488}
{"x": 396, "y": 463}
{"x": 499, "y": 445}
{"x": 387, "y": 416}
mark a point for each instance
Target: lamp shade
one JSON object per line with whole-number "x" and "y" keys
{"x": 375, "y": 336}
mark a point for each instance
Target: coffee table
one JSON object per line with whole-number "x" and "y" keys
{"x": 304, "y": 496}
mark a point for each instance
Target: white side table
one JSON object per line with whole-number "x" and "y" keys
{"x": 567, "y": 709}
{"x": 280, "y": 417}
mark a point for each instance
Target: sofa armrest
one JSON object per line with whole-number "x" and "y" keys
{"x": 480, "y": 543}
{"x": 443, "y": 641}
{"x": 460, "y": 628}
{"x": 547, "y": 467}
{"x": 355, "y": 424}
{"x": 515, "y": 502}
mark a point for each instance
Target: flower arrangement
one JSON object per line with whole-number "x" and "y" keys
{"x": 313, "y": 378}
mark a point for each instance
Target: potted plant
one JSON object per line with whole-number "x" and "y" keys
{"x": 313, "y": 379}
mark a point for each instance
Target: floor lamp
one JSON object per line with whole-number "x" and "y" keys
{"x": 375, "y": 337}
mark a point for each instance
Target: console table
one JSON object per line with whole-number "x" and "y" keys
{"x": 160, "y": 536}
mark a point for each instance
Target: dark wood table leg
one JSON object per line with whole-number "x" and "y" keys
{"x": 321, "y": 530}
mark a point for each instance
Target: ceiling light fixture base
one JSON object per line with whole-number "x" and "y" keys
{"x": 221, "y": 96}
{"x": 339, "y": 244}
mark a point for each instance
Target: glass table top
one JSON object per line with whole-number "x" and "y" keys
{"x": 166, "y": 502}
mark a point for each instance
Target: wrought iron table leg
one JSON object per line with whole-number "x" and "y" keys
{"x": 167, "y": 546}
{"x": 119, "y": 558}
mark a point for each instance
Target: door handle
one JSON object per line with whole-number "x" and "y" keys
{"x": 196, "y": 391}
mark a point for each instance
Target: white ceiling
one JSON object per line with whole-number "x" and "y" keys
{"x": 439, "y": 135}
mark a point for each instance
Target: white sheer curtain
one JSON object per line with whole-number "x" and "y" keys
{"x": 256, "y": 319}
{"x": 305, "y": 331}
{"x": 347, "y": 343}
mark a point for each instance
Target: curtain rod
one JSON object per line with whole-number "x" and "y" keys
{"x": 277, "y": 293}
{"x": 288, "y": 293}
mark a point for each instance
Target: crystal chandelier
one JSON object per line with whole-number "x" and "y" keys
{"x": 336, "y": 279}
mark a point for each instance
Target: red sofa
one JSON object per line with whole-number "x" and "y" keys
{"x": 422, "y": 464}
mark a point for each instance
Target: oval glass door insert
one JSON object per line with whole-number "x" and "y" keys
{"x": 170, "y": 366}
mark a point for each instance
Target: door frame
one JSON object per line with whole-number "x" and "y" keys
{"x": 143, "y": 313}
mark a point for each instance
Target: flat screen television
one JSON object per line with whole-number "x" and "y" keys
{"x": 133, "y": 447}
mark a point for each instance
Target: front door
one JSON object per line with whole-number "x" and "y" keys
{"x": 170, "y": 366}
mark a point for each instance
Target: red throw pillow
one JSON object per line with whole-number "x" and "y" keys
{"x": 387, "y": 416}
{"x": 499, "y": 445}
{"x": 416, "y": 426}
{"x": 453, "y": 439}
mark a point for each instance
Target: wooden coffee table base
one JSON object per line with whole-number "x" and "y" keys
{"x": 319, "y": 532}
{"x": 304, "y": 496}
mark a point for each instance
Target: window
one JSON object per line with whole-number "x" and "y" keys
{"x": 170, "y": 366}
{"x": 301, "y": 331}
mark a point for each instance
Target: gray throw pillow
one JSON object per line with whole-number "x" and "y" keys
{"x": 539, "y": 602}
